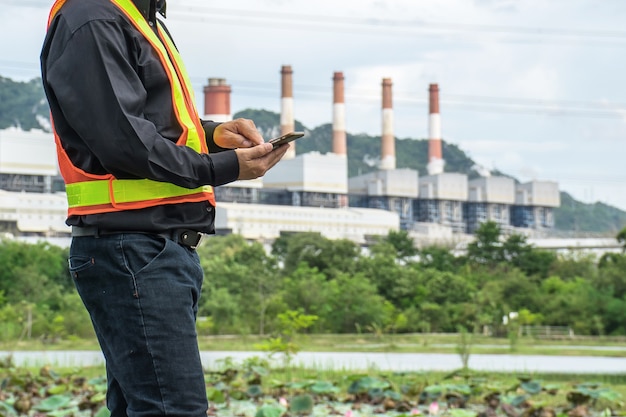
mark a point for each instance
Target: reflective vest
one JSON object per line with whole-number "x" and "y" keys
{"x": 90, "y": 193}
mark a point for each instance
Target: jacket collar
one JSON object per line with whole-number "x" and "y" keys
{"x": 144, "y": 7}
{"x": 148, "y": 8}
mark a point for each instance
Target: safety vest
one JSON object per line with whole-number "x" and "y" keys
{"x": 90, "y": 193}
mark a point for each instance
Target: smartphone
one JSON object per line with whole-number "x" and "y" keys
{"x": 286, "y": 138}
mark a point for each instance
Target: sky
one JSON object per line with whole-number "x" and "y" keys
{"x": 532, "y": 88}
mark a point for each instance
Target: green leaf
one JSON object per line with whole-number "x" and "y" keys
{"x": 434, "y": 389}
{"x": 259, "y": 370}
{"x": 215, "y": 395}
{"x": 531, "y": 387}
{"x": 301, "y": 404}
{"x": 609, "y": 395}
{"x": 461, "y": 412}
{"x": 323, "y": 387}
{"x": 269, "y": 411}
{"x": 57, "y": 389}
{"x": 52, "y": 403}
{"x": 396, "y": 396}
{"x": 6, "y": 409}
{"x": 376, "y": 393}
{"x": 98, "y": 397}
{"x": 459, "y": 389}
{"x": 518, "y": 400}
{"x": 254, "y": 391}
{"x": 298, "y": 385}
{"x": 64, "y": 412}
{"x": 103, "y": 412}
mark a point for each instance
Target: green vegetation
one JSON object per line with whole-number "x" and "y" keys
{"x": 253, "y": 388}
{"x": 21, "y": 103}
{"x": 307, "y": 284}
{"x": 577, "y": 217}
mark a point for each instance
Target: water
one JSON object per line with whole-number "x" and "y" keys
{"x": 362, "y": 361}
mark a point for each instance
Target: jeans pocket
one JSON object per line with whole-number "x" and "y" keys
{"x": 140, "y": 251}
{"x": 77, "y": 264}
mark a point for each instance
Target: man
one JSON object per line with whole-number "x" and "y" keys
{"x": 139, "y": 167}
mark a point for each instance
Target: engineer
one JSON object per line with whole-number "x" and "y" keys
{"x": 139, "y": 167}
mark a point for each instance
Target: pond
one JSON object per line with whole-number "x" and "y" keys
{"x": 366, "y": 360}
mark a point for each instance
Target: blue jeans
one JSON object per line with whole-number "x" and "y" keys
{"x": 142, "y": 293}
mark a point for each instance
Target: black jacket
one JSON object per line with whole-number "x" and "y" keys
{"x": 110, "y": 101}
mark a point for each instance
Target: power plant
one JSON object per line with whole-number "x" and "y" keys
{"x": 308, "y": 191}
{"x": 446, "y": 200}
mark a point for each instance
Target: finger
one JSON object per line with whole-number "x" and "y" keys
{"x": 248, "y": 130}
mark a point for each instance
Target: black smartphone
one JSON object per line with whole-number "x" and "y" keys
{"x": 286, "y": 138}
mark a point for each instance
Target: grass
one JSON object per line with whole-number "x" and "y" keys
{"x": 426, "y": 343}
{"x": 400, "y": 343}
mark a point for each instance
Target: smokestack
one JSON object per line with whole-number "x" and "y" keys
{"x": 217, "y": 100}
{"x": 388, "y": 148}
{"x": 435, "y": 159}
{"x": 287, "y": 123}
{"x": 339, "y": 115}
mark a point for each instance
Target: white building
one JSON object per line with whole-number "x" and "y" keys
{"x": 266, "y": 222}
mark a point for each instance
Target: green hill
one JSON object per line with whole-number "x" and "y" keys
{"x": 22, "y": 104}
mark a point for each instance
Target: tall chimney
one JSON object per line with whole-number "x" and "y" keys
{"x": 287, "y": 123}
{"x": 388, "y": 148}
{"x": 217, "y": 100}
{"x": 339, "y": 115}
{"x": 435, "y": 159}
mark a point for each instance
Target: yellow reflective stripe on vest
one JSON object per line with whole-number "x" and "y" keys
{"x": 193, "y": 139}
{"x": 93, "y": 193}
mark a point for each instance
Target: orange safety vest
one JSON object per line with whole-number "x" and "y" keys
{"x": 90, "y": 193}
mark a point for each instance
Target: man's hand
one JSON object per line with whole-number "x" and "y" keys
{"x": 238, "y": 133}
{"x": 256, "y": 161}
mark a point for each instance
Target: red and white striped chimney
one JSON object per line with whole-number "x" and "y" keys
{"x": 388, "y": 146}
{"x": 287, "y": 123}
{"x": 339, "y": 115}
{"x": 217, "y": 100}
{"x": 435, "y": 158}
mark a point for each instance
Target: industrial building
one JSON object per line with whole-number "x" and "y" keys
{"x": 304, "y": 192}
{"x": 534, "y": 205}
{"x": 441, "y": 200}
{"x": 489, "y": 199}
{"x": 32, "y": 201}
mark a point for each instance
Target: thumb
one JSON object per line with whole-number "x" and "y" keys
{"x": 259, "y": 151}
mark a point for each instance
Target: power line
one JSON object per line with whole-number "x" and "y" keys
{"x": 382, "y": 26}
{"x": 394, "y": 27}
{"x": 463, "y": 102}
{"x": 539, "y": 107}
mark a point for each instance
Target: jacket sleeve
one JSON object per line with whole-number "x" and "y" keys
{"x": 100, "y": 88}
{"x": 209, "y": 129}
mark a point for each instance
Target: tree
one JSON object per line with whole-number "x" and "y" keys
{"x": 621, "y": 238}
{"x": 400, "y": 284}
{"x": 486, "y": 249}
{"x": 356, "y": 303}
{"x": 310, "y": 291}
{"x": 330, "y": 257}
{"x": 517, "y": 252}
{"x": 439, "y": 258}
{"x": 246, "y": 271}
{"x": 402, "y": 243}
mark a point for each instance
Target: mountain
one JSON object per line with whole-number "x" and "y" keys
{"x": 364, "y": 150}
{"x": 22, "y": 104}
